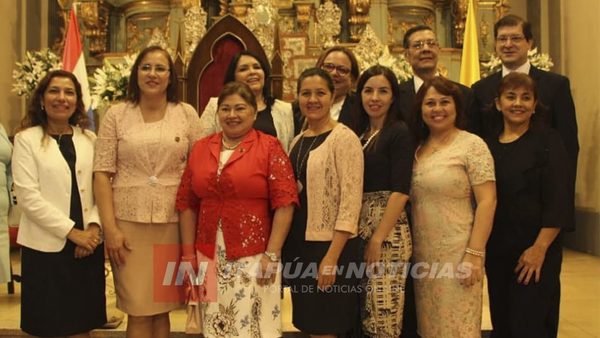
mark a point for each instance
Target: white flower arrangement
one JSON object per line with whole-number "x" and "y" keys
{"x": 539, "y": 60}
{"x": 31, "y": 71}
{"x": 110, "y": 82}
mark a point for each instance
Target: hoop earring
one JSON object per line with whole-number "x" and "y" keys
{"x": 42, "y": 106}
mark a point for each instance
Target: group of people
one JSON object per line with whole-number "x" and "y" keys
{"x": 380, "y": 205}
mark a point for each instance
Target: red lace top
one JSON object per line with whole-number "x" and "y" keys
{"x": 257, "y": 179}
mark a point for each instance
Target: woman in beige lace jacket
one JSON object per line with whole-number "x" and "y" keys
{"x": 328, "y": 162}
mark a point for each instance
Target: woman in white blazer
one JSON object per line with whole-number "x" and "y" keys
{"x": 273, "y": 117}
{"x": 62, "y": 291}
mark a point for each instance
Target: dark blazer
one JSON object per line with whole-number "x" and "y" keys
{"x": 407, "y": 99}
{"x": 554, "y": 94}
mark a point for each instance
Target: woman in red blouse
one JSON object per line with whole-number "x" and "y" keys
{"x": 236, "y": 201}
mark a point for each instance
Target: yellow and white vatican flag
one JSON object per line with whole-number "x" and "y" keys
{"x": 469, "y": 64}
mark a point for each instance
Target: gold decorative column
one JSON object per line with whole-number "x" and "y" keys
{"x": 146, "y": 20}
{"x": 358, "y": 11}
{"x": 304, "y": 10}
{"x": 239, "y": 9}
{"x": 459, "y": 15}
{"x": 408, "y": 13}
{"x": 94, "y": 16}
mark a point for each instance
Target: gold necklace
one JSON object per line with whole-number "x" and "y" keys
{"x": 300, "y": 164}
{"x": 60, "y": 134}
{"x": 440, "y": 145}
{"x": 226, "y": 147}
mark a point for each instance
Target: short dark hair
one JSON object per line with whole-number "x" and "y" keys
{"x": 354, "y": 67}
{"x": 230, "y": 73}
{"x": 512, "y": 20}
{"x": 314, "y": 71}
{"x": 516, "y": 80}
{"x": 444, "y": 87}
{"x": 237, "y": 88}
{"x": 411, "y": 31}
{"x": 37, "y": 115}
{"x": 360, "y": 116}
{"x": 133, "y": 90}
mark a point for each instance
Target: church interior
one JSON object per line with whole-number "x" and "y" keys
{"x": 202, "y": 36}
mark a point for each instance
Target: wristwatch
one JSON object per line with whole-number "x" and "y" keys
{"x": 272, "y": 256}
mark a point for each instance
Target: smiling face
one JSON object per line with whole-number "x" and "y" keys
{"x": 438, "y": 111}
{"x": 236, "y": 117}
{"x": 250, "y": 72}
{"x": 422, "y": 52}
{"x": 153, "y": 74}
{"x": 377, "y": 97}
{"x": 517, "y": 106}
{"x": 339, "y": 66}
{"x": 511, "y": 46}
{"x": 315, "y": 99}
{"x": 60, "y": 100}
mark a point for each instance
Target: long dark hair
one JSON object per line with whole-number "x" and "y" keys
{"x": 360, "y": 117}
{"x": 444, "y": 87}
{"x": 133, "y": 90}
{"x": 36, "y": 112}
{"x": 230, "y": 73}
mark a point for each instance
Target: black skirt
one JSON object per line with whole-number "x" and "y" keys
{"x": 335, "y": 309}
{"x": 62, "y": 295}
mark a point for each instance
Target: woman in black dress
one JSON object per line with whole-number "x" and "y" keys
{"x": 524, "y": 254}
{"x": 383, "y": 226}
{"x": 62, "y": 292}
{"x": 328, "y": 164}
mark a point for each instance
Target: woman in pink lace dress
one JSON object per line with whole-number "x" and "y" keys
{"x": 454, "y": 196}
{"x": 141, "y": 152}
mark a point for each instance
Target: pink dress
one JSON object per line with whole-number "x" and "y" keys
{"x": 147, "y": 160}
{"x": 443, "y": 208}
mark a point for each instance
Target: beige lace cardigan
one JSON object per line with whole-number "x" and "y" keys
{"x": 334, "y": 183}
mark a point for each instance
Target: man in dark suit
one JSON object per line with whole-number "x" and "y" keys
{"x": 513, "y": 40}
{"x": 421, "y": 50}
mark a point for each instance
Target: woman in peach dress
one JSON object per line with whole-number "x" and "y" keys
{"x": 454, "y": 196}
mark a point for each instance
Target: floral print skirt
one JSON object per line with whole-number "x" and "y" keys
{"x": 240, "y": 307}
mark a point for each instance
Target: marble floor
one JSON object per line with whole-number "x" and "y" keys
{"x": 580, "y": 303}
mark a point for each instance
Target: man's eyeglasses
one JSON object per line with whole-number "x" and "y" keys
{"x": 330, "y": 67}
{"x": 514, "y": 38}
{"x": 422, "y": 43}
{"x": 158, "y": 69}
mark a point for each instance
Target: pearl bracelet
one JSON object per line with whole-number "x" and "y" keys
{"x": 475, "y": 252}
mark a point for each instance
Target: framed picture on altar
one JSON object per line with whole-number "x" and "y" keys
{"x": 296, "y": 43}
{"x": 300, "y": 63}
